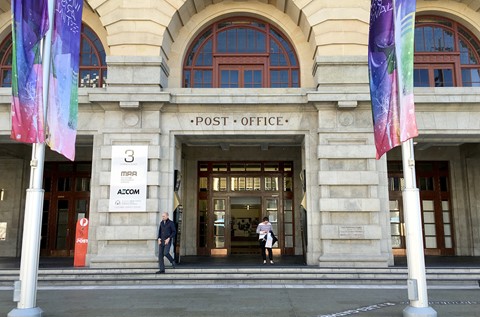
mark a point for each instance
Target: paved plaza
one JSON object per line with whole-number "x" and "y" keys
{"x": 241, "y": 302}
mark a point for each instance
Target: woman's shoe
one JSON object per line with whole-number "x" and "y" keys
{"x": 271, "y": 261}
{"x": 264, "y": 262}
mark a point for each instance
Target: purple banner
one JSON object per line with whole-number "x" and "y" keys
{"x": 390, "y": 61}
{"x": 30, "y": 23}
{"x": 63, "y": 87}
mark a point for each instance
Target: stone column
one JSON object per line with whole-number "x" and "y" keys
{"x": 353, "y": 201}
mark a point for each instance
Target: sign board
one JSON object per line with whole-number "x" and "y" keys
{"x": 128, "y": 178}
{"x": 81, "y": 242}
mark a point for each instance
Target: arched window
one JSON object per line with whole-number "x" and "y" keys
{"x": 92, "y": 68}
{"x": 241, "y": 53}
{"x": 446, "y": 54}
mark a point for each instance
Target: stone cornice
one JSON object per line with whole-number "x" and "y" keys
{"x": 343, "y": 96}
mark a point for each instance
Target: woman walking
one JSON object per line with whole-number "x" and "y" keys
{"x": 265, "y": 239}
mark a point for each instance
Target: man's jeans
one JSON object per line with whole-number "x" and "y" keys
{"x": 164, "y": 250}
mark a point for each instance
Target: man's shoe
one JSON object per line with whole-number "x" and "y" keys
{"x": 160, "y": 272}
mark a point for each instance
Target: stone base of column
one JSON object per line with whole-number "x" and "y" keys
{"x": 26, "y": 312}
{"x": 419, "y": 312}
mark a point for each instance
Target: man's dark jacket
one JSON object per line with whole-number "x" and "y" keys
{"x": 166, "y": 230}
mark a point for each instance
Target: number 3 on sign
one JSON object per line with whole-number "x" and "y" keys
{"x": 129, "y": 156}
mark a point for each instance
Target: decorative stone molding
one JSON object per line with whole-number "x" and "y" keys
{"x": 137, "y": 70}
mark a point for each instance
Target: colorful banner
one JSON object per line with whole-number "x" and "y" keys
{"x": 63, "y": 87}
{"x": 30, "y": 23}
{"x": 390, "y": 61}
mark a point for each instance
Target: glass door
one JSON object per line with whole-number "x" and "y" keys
{"x": 66, "y": 199}
{"x": 221, "y": 240}
{"x": 433, "y": 183}
{"x": 272, "y": 212}
{"x": 64, "y": 226}
{"x": 233, "y": 197}
{"x": 245, "y": 214}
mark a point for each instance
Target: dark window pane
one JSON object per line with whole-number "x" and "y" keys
{"x": 274, "y": 54}
{"x": 63, "y": 184}
{"x": 295, "y": 80}
{"x": 252, "y": 78}
{"x": 420, "y": 78}
{"x": 248, "y": 76}
{"x": 257, "y": 77}
{"x": 443, "y": 77}
{"x": 443, "y": 184}
{"x": 222, "y": 42}
{"x": 449, "y": 44}
{"x": 426, "y": 183}
{"x": 467, "y": 55}
{"x": 428, "y": 33}
{"x": 279, "y": 78}
{"x": 232, "y": 41}
{"x": 242, "y": 40}
{"x": 471, "y": 77}
{"x": 187, "y": 80}
{"x": 293, "y": 58}
{"x": 475, "y": 44}
{"x": 261, "y": 42}
{"x": 202, "y": 79}
{"x": 7, "y": 78}
{"x": 229, "y": 79}
{"x": 438, "y": 40}
{"x": 47, "y": 184}
{"x": 419, "y": 40}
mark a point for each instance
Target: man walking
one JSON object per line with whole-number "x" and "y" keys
{"x": 166, "y": 232}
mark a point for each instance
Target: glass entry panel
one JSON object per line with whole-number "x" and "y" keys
{"x": 63, "y": 229}
{"x": 272, "y": 213}
{"x": 245, "y": 214}
{"x": 437, "y": 225}
{"x": 233, "y": 197}
{"x": 66, "y": 199}
{"x": 219, "y": 223}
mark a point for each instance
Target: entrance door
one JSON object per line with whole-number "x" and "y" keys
{"x": 433, "y": 182}
{"x": 66, "y": 199}
{"x": 220, "y": 223}
{"x": 233, "y": 197}
{"x": 245, "y": 215}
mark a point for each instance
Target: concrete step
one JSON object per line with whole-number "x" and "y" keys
{"x": 270, "y": 275}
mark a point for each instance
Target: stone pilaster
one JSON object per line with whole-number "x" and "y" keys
{"x": 352, "y": 191}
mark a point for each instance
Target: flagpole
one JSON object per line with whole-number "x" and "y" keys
{"x": 32, "y": 225}
{"x": 417, "y": 281}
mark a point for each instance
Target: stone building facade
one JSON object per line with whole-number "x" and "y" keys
{"x": 311, "y": 138}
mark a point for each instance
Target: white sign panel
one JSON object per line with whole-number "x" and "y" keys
{"x": 128, "y": 178}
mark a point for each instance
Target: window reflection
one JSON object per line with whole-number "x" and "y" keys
{"x": 241, "y": 49}
{"x": 435, "y": 39}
